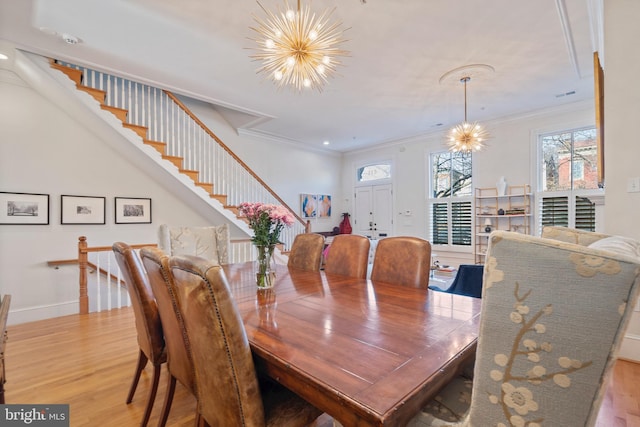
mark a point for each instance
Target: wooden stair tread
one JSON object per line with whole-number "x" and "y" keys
{"x": 159, "y": 147}
{"x": 206, "y": 185}
{"x": 73, "y": 73}
{"x": 120, "y": 113}
{"x": 140, "y": 130}
{"x": 191, "y": 174}
{"x": 98, "y": 95}
{"x": 177, "y": 161}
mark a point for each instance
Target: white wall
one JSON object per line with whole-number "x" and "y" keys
{"x": 44, "y": 150}
{"x": 511, "y": 153}
{"x": 622, "y": 148}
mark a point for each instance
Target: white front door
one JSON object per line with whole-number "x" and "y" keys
{"x": 373, "y": 211}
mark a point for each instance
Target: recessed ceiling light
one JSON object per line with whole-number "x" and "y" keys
{"x": 3, "y": 56}
{"x": 325, "y": 143}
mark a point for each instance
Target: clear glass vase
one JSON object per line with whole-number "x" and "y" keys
{"x": 265, "y": 266}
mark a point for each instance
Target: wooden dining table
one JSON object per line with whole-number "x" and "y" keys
{"x": 367, "y": 353}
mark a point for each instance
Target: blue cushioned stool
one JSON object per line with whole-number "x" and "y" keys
{"x": 468, "y": 281}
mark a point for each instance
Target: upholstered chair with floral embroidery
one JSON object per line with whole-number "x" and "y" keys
{"x": 211, "y": 243}
{"x": 572, "y": 235}
{"x": 553, "y": 317}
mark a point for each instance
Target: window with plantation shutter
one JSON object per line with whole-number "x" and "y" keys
{"x": 440, "y": 224}
{"x": 451, "y": 199}
{"x": 461, "y": 223}
{"x": 585, "y": 214}
{"x": 555, "y": 211}
{"x": 568, "y": 187}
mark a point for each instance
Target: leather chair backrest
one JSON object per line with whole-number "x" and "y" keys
{"x": 404, "y": 261}
{"x": 145, "y": 308}
{"x": 228, "y": 390}
{"x": 348, "y": 256}
{"x": 306, "y": 252}
{"x": 156, "y": 262}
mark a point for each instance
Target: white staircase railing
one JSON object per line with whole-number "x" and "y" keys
{"x": 169, "y": 121}
{"x": 101, "y": 284}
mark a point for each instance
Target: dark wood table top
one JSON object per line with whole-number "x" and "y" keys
{"x": 367, "y": 353}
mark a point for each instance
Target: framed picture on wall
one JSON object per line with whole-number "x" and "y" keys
{"x": 83, "y": 210}
{"x": 131, "y": 210}
{"x": 24, "y": 209}
{"x": 308, "y": 205}
{"x": 324, "y": 206}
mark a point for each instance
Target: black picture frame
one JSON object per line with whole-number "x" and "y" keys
{"x": 24, "y": 208}
{"x": 132, "y": 210}
{"x": 82, "y": 210}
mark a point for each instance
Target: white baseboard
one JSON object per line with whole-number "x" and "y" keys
{"x": 630, "y": 348}
{"x": 30, "y": 314}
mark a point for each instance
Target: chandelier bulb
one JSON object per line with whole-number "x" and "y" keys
{"x": 291, "y": 61}
{"x": 306, "y": 83}
{"x": 313, "y": 34}
{"x": 277, "y": 75}
{"x": 291, "y": 15}
{"x": 321, "y": 69}
{"x": 269, "y": 44}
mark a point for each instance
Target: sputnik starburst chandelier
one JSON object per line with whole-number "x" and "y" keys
{"x": 466, "y": 137}
{"x": 298, "y": 48}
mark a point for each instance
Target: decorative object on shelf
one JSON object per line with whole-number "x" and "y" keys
{"x": 297, "y": 47}
{"x": 511, "y": 211}
{"x": 515, "y": 211}
{"x": 267, "y": 222}
{"x": 467, "y": 137}
{"x": 501, "y": 185}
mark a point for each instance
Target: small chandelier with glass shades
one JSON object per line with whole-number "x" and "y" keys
{"x": 466, "y": 137}
{"x": 297, "y": 47}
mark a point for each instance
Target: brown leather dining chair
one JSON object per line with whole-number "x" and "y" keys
{"x": 403, "y": 260}
{"x": 306, "y": 252}
{"x": 228, "y": 388}
{"x": 147, "y": 317}
{"x": 348, "y": 256}
{"x": 179, "y": 364}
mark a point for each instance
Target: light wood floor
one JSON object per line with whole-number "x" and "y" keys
{"x": 88, "y": 362}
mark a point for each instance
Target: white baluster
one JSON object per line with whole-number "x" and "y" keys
{"x": 109, "y": 284}
{"x": 98, "y": 284}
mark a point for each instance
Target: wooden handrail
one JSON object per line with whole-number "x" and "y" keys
{"x": 57, "y": 263}
{"x": 307, "y": 224}
{"x": 4, "y": 313}
{"x": 83, "y": 264}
